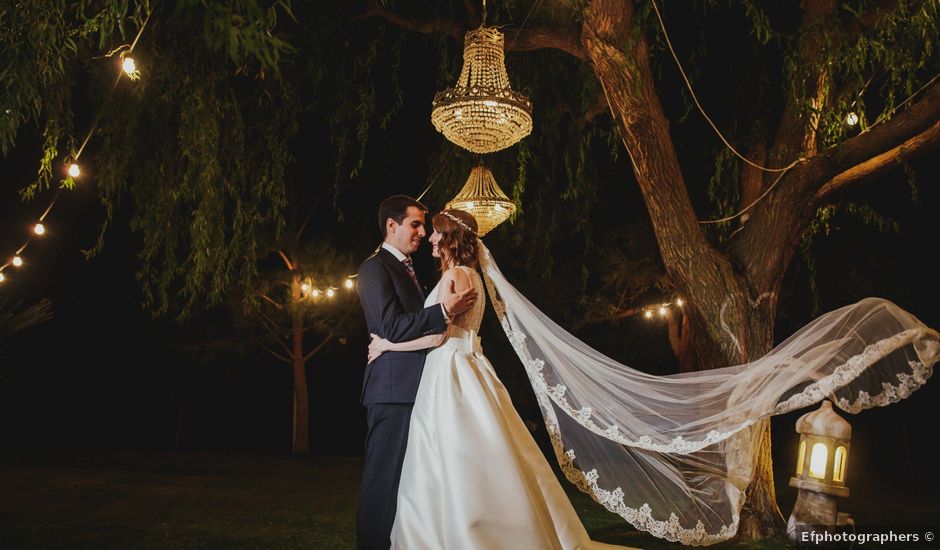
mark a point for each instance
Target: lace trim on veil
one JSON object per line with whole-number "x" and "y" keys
{"x": 671, "y": 529}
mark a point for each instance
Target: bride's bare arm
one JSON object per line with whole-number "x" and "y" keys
{"x": 454, "y": 281}
{"x": 378, "y": 345}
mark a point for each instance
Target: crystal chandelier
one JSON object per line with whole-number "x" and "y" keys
{"x": 481, "y": 112}
{"x": 483, "y": 198}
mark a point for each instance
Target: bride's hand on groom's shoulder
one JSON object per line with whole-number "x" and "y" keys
{"x": 456, "y": 302}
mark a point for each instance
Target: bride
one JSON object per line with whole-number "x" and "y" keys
{"x": 473, "y": 477}
{"x": 673, "y": 455}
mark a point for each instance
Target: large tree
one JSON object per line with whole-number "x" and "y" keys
{"x": 201, "y": 146}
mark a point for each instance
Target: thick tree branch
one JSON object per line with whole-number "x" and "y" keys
{"x": 268, "y": 323}
{"x": 524, "y": 40}
{"x": 752, "y": 179}
{"x": 319, "y": 347}
{"x": 770, "y": 237}
{"x": 795, "y": 135}
{"x": 440, "y": 25}
{"x": 920, "y": 118}
{"x": 882, "y": 163}
{"x": 289, "y": 264}
{"x": 545, "y": 38}
{"x": 276, "y": 355}
{"x": 270, "y": 300}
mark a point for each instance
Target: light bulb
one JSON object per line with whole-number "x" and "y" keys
{"x": 2, "y": 277}
{"x": 39, "y": 229}
{"x": 662, "y": 311}
{"x": 330, "y": 293}
{"x": 74, "y": 170}
{"x": 648, "y": 314}
{"x": 17, "y": 261}
{"x": 349, "y": 283}
{"x": 129, "y": 66}
{"x": 305, "y": 288}
{"x": 851, "y": 119}
{"x": 679, "y": 302}
{"x": 316, "y": 293}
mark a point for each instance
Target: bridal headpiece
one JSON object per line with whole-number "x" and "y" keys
{"x": 459, "y": 222}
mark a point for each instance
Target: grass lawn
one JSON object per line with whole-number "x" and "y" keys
{"x": 108, "y": 499}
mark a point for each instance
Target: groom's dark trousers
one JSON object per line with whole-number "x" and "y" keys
{"x": 394, "y": 309}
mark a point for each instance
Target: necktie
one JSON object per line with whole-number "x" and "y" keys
{"x": 411, "y": 272}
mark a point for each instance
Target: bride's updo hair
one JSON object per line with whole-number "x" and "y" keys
{"x": 458, "y": 237}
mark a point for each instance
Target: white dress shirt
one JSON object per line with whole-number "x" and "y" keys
{"x": 401, "y": 257}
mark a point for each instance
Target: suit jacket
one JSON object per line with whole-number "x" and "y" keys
{"x": 394, "y": 310}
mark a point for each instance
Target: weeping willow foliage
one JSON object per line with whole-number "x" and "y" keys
{"x": 201, "y": 151}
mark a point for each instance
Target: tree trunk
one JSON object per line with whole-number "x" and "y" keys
{"x": 731, "y": 322}
{"x": 680, "y": 340}
{"x": 301, "y": 439}
{"x": 761, "y": 517}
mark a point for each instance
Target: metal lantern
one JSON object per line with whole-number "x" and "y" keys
{"x": 481, "y": 112}
{"x": 820, "y": 470}
{"x": 482, "y": 197}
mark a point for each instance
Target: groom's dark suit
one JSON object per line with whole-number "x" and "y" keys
{"x": 394, "y": 309}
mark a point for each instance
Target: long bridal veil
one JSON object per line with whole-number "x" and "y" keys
{"x": 673, "y": 455}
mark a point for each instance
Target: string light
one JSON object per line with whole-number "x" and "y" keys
{"x": 309, "y": 291}
{"x": 129, "y": 69}
{"x": 129, "y": 66}
{"x": 851, "y": 119}
{"x": 662, "y": 309}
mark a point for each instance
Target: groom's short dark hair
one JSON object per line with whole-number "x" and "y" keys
{"x": 396, "y": 207}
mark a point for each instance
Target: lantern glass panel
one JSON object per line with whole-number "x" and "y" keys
{"x": 818, "y": 460}
{"x": 801, "y": 458}
{"x": 838, "y": 467}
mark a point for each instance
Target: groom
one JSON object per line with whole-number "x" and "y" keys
{"x": 393, "y": 303}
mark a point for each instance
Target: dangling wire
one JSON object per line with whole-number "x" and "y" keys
{"x": 699, "y": 105}
{"x": 535, "y": 5}
{"x": 426, "y": 189}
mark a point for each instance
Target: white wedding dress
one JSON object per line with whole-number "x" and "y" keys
{"x": 473, "y": 478}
